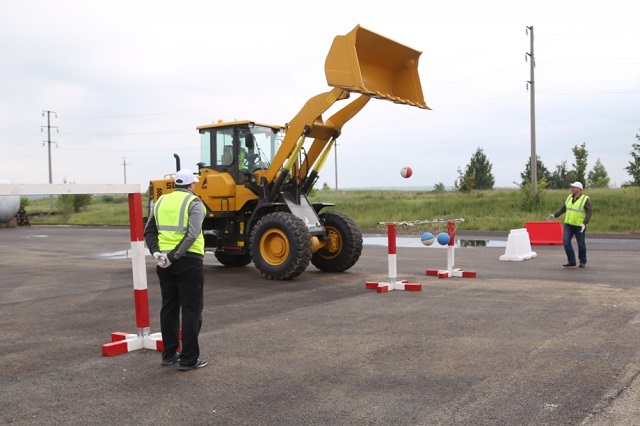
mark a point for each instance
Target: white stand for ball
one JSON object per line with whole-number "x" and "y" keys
{"x": 393, "y": 283}
{"x": 450, "y": 271}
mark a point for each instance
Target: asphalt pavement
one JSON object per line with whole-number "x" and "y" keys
{"x": 528, "y": 343}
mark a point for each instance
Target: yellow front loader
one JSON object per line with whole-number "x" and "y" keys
{"x": 255, "y": 177}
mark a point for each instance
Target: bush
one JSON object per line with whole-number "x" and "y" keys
{"x": 65, "y": 206}
{"x": 530, "y": 202}
{"x": 112, "y": 199}
{"x": 80, "y": 201}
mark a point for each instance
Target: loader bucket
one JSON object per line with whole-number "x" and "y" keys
{"x": 368, "y": 63}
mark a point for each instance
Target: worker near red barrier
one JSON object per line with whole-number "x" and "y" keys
{"x": 174, "y": 235}
{"x": 577, "y": 209}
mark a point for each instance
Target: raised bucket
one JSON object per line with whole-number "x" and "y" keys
{"x": 368, "y": 63}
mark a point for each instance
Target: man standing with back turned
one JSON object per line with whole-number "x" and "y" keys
{"x": 174, "y": 235}
{"x": 577, "y": 208}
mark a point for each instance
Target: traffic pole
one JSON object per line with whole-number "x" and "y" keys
{"x": 126, "y": 342}
{"x": 393, "y": 283}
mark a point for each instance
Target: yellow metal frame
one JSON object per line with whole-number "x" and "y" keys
{"x": 360, "y": 61}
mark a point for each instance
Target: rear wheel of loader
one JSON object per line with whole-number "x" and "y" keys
{"x": 345, "y": 243}
{"x": 281, "y": 246}
{"x": 233, "y": 260}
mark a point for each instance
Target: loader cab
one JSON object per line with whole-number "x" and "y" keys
{"x": 239, "y": 148}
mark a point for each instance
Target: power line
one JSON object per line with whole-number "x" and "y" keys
{"x": 130, "y": 133}
{"x": 152, "y": 149}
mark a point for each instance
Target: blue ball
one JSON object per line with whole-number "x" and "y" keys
{"x": 427, "y": 238}
{"x": 443, "y": 238}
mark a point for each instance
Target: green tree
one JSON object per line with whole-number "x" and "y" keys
{"x": 464, "y": 183}
{"x": 439, "y": 187}
{"x": 634, "y": 166}
{"x": 561, "y": 177}
{"x": 80, "y": 201}
{"x": 580, "y": 166}
{"x": 477, "y": 174}
{"x": 530, "y": 202}
{"x": 541, "y": 171}
{"x": 67, "y": 204}
{"x": 598, "y": 176}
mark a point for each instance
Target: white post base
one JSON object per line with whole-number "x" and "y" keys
{"x": 390, "y": 286}
{"x": 122, "y": 342}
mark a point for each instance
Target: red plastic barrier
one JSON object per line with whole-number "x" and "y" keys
{"x": 544, "y": 233}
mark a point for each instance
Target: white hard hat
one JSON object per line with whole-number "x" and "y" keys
{"x": 185, "y": 177}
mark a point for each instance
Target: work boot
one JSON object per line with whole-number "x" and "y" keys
{"x": 171, "y": 359}
{"x": 201, "y": 362}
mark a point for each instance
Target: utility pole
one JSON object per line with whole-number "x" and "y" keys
{"x": 48, "y": 141}
{"x": 534, "y": 157}
{"x": 124, "y": 164}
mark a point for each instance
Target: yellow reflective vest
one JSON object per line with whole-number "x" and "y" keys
{"x": 575, "y": 213}
{"x": 172, "y": 218}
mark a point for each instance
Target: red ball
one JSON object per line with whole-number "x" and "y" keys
{"x": 406, "y": 172}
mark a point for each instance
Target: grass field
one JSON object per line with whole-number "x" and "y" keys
{"x": 614, "y": 210}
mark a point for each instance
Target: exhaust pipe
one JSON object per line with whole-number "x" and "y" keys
{"x": 177, "y": 157}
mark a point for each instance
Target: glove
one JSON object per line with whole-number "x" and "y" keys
{"x": 582, "y": 228}
{"x": 157, "y": 256}
{"x": 550, "y": 217}
{"x": 162, "y": 260}
{"x": 165, "y": 261}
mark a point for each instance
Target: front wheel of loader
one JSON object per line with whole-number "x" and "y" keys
{"x": 344, "y": 243}
{"x": 281, "y": 246}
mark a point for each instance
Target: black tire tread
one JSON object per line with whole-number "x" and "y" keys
{"x": 233, "y": 260}
{"x": 351, "y": 247}
{"x": 299, "y": 240}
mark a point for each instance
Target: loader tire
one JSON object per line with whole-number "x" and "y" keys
{"x": 345, "y": 243}
{"x": 281, "y": 246}
{"x": 233, "y": 260}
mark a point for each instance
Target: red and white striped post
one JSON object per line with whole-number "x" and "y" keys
{"x": 120, "y": 342}
{"x": 450, "y": 271}
{"x": 393, "y": 283}
{"x": 127, "y": 342}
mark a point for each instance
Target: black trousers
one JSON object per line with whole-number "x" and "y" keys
{"x": 181, "y": 285}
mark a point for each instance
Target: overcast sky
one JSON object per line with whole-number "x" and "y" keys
{"x": 130, "y": 80}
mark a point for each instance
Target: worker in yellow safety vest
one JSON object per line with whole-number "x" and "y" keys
{"x": 577, "y": 209}
{"x": 173, "y": 235}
